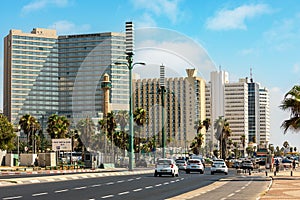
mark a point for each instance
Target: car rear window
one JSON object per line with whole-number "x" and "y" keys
{"x": 194, "y": 161}
{"x": 164, "y": 162}
{"x": 180, "y": 161}
{"x": 218, "y": 163}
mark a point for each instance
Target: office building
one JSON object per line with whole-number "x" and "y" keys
{"x": 184, "y": 105}
{"x": 46, "y": 74}
{"x": 30, "y": 73}
{"x": 264, "y": 117}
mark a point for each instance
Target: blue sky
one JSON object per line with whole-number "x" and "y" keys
{"x": 237, "y": 35}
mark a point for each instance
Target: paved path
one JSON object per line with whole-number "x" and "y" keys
{"x": 283, "y": 186}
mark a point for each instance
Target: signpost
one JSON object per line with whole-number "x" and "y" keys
{"x": 61, "y": 145}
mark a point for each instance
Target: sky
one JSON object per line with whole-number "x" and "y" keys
{"x": 230, "y": 35}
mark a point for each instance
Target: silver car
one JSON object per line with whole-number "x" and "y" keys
{"x": 194, "y": 165}
{"x": 181, "y": 164}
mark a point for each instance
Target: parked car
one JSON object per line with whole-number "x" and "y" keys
{"x": 194, "y": 165}
{"x": 166, "y": 167}
{"x": 247, "y": 164}
{"x": 219, "y": 167}
{"x": 141, "y": 163}
{"x": 181, "y": 164}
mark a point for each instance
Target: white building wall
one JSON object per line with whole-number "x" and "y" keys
{"x": 264, "y": 116}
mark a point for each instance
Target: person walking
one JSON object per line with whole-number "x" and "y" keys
{"x": 294, "y": 164}
{"x": 277, "y": 165}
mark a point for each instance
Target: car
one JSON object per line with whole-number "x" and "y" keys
{"x": 200, "y": 157}
{"x": 141, "y": 163}
{"x": 181, "y": 164}
{"x": 247, "y": 164}
{"x": 237, "y": 164}
{"x": 166, "y": 166}
{"x": 194, "y": 165}
{"x": 218, "y": 167}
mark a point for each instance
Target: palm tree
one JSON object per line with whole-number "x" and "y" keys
{"x": 291, "y": 103}
{"x": 206, "y": 123}
{"x": 86, "y": 128}
{"x": 30, "y": 126}
{"x": 243, "y": 141}
{"x": 222, "y": 134}
{"x": 122, "y": 119}
{"x": 111, "y": 128}
{"x": 139, "y": 117}
{"x": 198, "y": 140}
{"x": 58, "y": 126}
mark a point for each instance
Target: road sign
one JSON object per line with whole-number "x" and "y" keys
{"x": 61, "y": 145}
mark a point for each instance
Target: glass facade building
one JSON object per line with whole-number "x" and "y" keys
{"x": 46, "y": 74}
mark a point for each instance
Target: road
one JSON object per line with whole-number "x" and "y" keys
{"x": 143, "y": 186}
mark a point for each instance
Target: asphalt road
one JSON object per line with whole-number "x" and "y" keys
{"x": 132, "y": 187}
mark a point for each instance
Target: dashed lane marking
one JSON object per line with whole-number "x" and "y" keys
{"x": 16, "y": 197}
{"x": 108, "y": 196}
{"x": 60, "y": 191}
{"x": 137, "y": 190}
{"x": 80, "y": 188}
{"x": 40, "y": 194}
{"x": 122, "y": 193}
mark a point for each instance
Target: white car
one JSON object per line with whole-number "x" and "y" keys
{"x": 194, "y": 165}
{"x": 181, "y": 164}
{"x": 166, "y": 166}
{"x": 219, "y": 167}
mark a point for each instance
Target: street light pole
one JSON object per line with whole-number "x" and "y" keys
{"x": 130, "y": 66}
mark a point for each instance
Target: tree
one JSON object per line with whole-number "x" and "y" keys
{"x": 7, "y": 134}
{"x": 243, "y": 141}
{"x": 122, "y": 119}
{"x": 222, "y": 134}
{"x": 30, "y": 126}
{"x": 198, "y": 140}
{"x": 58, "y": 126}
{"x": 139, "y": 117}
{"x": 291, "y": 103}
{"x": 86, "y": 129}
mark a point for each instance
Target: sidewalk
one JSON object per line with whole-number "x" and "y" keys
{"x": 283, "y": 185}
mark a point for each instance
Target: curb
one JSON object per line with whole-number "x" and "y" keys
{"x": 266, "y": 190}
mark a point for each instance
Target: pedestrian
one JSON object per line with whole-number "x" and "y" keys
{"x": 277, "y": 165}
{"x": 294, "y": 164}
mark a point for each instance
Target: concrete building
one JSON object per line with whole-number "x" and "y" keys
{"x": 253, "y": 111}
{"x": 184, "y": 105}
{"x": 46, "y": 74}
{"x": 30, "y": 73}
{"x": 236, "y": 111}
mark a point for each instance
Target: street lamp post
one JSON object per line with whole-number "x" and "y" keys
{"x": 130, "y": 66}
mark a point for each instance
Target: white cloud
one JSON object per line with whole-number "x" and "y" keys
{"x": 168, "y": 8}
{"x": 296, "y": 68}
{"x": 146, "y": 21}
{"x": 40, "y": 4}
{"x": 66, "y": 27}
{"x": 235, "y": 19}
{"x": 284, "y": 34}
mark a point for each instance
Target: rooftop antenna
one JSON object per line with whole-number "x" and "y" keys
{"x": 251, "y": 79}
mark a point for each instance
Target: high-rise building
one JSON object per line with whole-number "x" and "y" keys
{"x": 46, "y": 74}
{"x": 30, "y": 73}
{"x": 264, "y": 117}
{"x": 253, "y": 111}
{"x": 184, "y": 105}
{"x": 236, "y": 111}
{"x": 215, "y": 103}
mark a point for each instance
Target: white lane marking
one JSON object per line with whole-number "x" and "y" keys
{"x": 16, "y": 197}
{"x": 34, "y": 181}
{"x": 130, "y": 179}
{"x": 138, "y": 178}
{"x": 80, "y": 188}
{"x": 166, "y": 183}
{"x": 137, "y": 190}
{"x": 59, "y": 191}
{"x": 91, "y": 199}
{"x": 108, "y": 196}
{"x": 122, "y": 193}
{"x": 243, "y": 187}
{"x": 110, "y": 183}
{"x": 230, "y": 195}
{"x": 97, "y": 185}
{"x": 172, "y": 182}
{"x": 149, "y": 187}
{"x": 237, "y": 191}
{"x": 120, "y": 181}
{"x": 158, "y": 185}
{"x": 39, "y": 194}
